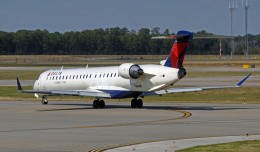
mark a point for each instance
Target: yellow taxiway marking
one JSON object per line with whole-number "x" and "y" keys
{"x": 186, "y": 114}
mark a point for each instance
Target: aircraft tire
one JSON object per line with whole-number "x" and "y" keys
{"x": 139, "y": 103}
{"x": 102, "y": 104}
{"x": 44, "y": 102}
{"x": 133, "y": 103}
{"x": 95, "y": 104}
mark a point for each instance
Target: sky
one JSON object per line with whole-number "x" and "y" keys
{"x": 77, "y": 15}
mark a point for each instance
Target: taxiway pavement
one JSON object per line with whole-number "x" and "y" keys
{"x": 27, "y": 126}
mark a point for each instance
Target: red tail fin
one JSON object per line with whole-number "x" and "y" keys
{"x": 178, "y": 51}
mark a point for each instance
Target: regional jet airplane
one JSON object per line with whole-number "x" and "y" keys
{"x": 129, "y": 80}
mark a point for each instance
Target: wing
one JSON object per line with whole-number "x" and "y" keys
{"x": 194, "y": 89}
{"x": 90, "y": 93}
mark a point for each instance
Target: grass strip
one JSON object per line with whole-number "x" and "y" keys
{"x": 22, "y": 74}
{"x": 33, "y": 75}
{"x": 240, "y": 146}
{"x": 233, "y": 95}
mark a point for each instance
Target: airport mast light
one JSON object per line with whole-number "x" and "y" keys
{"x": 232, "y": 8}
{"x": 246, "y": 6}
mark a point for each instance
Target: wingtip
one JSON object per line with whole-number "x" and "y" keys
{"x": 243, "y": 80}
{"x": 19, "y": 86}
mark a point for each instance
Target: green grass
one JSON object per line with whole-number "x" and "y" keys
{"x": 97, "y": 60}
{"x": 240, "y": 146}
{"x": 23, "y": 75}
{"x": 234, "y": 95}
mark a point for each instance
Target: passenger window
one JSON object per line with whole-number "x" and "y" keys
{"x": 90, "y": 76}
{"x": 107, "y": 74}
{"x": 115, "y": 75}
{"x": 86, "y": 76}
{"x": 73, "y": 76}
{"x": 80, "y": 76}
{"x": 83, "y": 76}
{"x": 100, "y": 75}
{"x": 111, "y": 75}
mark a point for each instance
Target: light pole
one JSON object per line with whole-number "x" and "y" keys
{"x": 232, "y": 8}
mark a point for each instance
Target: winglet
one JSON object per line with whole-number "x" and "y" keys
{"x": 243, "y": 80}
{"x": 19, "y": 86}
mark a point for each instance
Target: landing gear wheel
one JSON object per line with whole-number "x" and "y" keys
{"x": 44, "y": 100}
{"x": 95, "y": 104}
{"x": 139, "y": 103}
{"x": 102, "y": 104}
{"x": 99, "y": 104}
{"x": 134, "y": 103}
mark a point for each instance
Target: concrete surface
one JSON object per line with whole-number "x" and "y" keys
{"x": 75, "y": 126}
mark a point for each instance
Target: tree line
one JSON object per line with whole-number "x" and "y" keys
{"x": 111, "y": 41}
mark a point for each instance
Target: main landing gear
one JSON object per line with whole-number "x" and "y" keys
{"x": 99, "y": 104}
{"x": 137, "y": 103}
{"x": 44, "y": 100}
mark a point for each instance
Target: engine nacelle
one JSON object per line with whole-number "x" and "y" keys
{"x": 181, "y": 73}
{"x": 130, "y": 70}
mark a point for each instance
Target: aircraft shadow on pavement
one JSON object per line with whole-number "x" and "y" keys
{"x": 148, "y": 107}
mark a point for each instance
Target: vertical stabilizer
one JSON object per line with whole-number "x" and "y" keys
{"x": 178, "y": 51}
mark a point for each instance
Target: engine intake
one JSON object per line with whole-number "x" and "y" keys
{"x": 130, "y": 70}
{"x": 181, "y": 73}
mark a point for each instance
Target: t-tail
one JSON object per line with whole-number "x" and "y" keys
{"x": 178, "y": 51}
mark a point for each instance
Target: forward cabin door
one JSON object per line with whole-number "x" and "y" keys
{"x": 43, "y": 82}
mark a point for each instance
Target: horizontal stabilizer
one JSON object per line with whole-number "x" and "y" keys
{"x": 194, "y": 37}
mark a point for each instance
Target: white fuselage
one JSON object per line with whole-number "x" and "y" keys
{"x": 155, "y": 77}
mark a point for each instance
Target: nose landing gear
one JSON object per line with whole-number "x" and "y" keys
{"x": 44, "y": 100}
